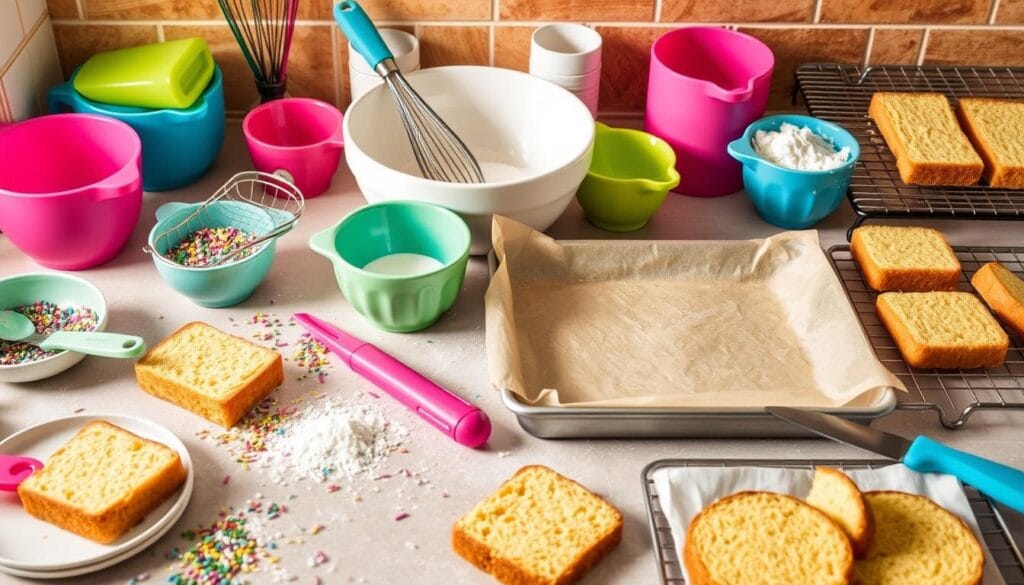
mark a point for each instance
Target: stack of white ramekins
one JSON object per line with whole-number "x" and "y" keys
{"x": 569, "y": 55}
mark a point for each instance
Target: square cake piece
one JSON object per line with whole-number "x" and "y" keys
{"x": 908, "y": 259}
{"x": 102, "y": 482}
{"x": 943, "y": 329}
{"x": 539, "y": 528}
{"x": 218, "y": 376}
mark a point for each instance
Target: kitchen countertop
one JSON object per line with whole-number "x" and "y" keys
{"x": 362, "y": 539}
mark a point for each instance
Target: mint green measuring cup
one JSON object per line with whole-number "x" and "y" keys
{"x": 404, "y": 302}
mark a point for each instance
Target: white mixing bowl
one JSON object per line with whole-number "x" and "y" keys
{"x": 533, "y": 139}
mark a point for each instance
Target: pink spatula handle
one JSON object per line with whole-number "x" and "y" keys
{"x": 15, "y": 469}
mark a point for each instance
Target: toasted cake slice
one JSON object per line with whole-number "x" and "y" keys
{"x": 996, "y": 128}
{"x": 539, "y": 528}
{"x": 909, "y": 259}
{"x": 943, "y": 329}
{"x": 1003, "y": 292}
{"x": 763, "y": 537}
{"x": 215, "y": 375}
{"x": 922, "y": 133}
{"x": 102, "y": 482}
{"x": 917, "y": 542}
{"x": 836, "y": 495}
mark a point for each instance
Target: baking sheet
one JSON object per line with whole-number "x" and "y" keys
{"x": 674, "y": 323}
{"x": 683, "y": 492}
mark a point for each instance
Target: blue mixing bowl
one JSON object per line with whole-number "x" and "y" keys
{"x": 178, "y": 146}
{"x": 789, "y": 198}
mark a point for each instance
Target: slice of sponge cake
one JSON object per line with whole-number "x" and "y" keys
{"x": 763, "y": 537}
{"x": 102, "y": 482}
{"x": 943, "y": 329}
{"x": 917, "y": 542}
{"x": 1003, "y": 292}
{"x": 996, "y": 128}
{"x": 909, "y": 259}
{"x": 215, "y": 375}
{"x": 836, "y": 495}
{"x": 922, "y": 133}
{"x": 539, "y": 528}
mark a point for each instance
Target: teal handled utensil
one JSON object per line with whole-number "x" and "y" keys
{"x": 15, "y": 469}
{"x": 440, "y": 154}
{"x": 999, "y": 482}
{"x": 17, "y": 327}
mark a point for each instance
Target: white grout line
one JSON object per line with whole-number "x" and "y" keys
{"x": 338, "y": 90}
{"x": 535, "y": 23}
{"x": 993, "y": 12}
{"x": 924, "y": 46}
{"x": 817, "y": 11}
{"x": 495, "y": 10}
{"x": 80, "y": 4}
{"x": 870, "y": 47}
{"x": 160, "y": 33}
{"x": 657, "y": 10}
{"x": 490, "y": 45}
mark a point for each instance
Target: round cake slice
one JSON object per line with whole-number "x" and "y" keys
{"x": 917, "y": 542}
{"x": 764, "y": 537}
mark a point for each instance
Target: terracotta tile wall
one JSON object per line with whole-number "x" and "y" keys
{"x": 497, "y": 32}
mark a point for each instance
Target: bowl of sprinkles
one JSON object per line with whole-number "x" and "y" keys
{"x": 209, "y": 256}
{"x": 53, "y": 302}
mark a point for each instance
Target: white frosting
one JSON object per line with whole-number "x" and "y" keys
{"x": 798, "y": 148}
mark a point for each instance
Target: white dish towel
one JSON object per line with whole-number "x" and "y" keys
{"x": 684, "y": 491}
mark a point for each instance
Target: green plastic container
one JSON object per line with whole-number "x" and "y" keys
{"x": 169, "y": 75}
{"x": 629, "y": 177}
{"x": 398, "y": 303}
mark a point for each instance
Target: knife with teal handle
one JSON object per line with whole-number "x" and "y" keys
{"x": 999, "y": 482}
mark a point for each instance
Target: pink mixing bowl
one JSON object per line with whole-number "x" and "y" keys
{"x": 70, "y": 188}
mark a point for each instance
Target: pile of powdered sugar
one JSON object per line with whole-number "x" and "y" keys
{"x": 332, "y": 441}
{"x": 798, "y": 148}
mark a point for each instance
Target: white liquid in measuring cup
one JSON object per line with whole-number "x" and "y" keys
{"x": 403, "y": 265}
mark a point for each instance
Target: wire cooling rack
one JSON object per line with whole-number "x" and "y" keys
{"x": 994, "y": 531}
{"x": 841, "y": 94}
{"x": 954, "y": 394}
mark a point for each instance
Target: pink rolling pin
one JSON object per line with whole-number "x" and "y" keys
{"x": 453, "y": 416}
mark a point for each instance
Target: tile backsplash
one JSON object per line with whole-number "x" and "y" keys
{"x": 497, "y": 32}
{"x": 28, "y": 58}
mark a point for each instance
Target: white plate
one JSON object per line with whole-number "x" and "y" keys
{"x": 82, "y": 570}
{"x": 28, "y": 544}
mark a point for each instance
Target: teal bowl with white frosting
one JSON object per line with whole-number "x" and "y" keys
{"x": 792, "y": 198}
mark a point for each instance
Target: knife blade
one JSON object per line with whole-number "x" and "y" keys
{"x": 1000, "y": 482}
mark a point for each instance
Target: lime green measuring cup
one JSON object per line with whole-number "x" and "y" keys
{"x": 629, "y": 177}
{"x": 160, "y": 75}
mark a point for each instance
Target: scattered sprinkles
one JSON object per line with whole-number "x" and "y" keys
{"x": 401, "y": 516}
{"x": 312, "y": 355}
{"x": 206, "y": 246}
{"x": 47, "y": 317}
{"x": 233, "y": 545}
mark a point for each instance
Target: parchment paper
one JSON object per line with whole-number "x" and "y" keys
{"x": 684, "y": 491}
{"x": 675, "y": 323}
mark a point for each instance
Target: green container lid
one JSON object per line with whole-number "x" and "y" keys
{"x": 161, "y": 75}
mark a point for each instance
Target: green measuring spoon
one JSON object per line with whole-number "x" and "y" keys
{"x": 17, "y": 327}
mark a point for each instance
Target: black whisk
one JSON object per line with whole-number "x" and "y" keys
{"x": 263, "y": 29}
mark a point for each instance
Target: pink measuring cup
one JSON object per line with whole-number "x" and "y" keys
{"x": 15, "y": 469}
{"x": 299, "y": 139}
{"x": 706, "y": 86}
{"x": 70, "y": 188}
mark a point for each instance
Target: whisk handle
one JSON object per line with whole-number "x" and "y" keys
{"x": 361, "y": 33}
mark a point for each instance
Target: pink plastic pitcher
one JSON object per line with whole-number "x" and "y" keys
{"x": 706, "y": 85}
{"x": 70, "y": 188}
{"x": 301, "y": 137}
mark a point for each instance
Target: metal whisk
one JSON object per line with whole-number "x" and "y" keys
{"x": 440, "y": 153}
